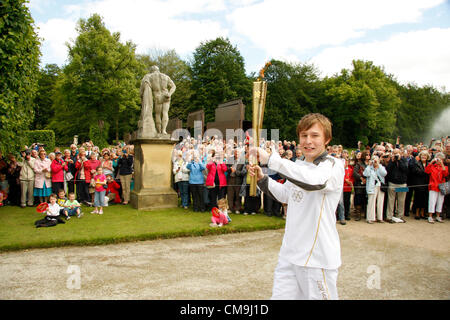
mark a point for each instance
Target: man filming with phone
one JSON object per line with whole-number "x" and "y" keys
{"x": 397, "y": 176}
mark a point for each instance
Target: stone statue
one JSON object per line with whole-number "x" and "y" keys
{"x": 156, "y": 90}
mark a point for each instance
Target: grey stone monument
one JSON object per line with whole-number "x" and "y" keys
{"x": 153, "y": 145}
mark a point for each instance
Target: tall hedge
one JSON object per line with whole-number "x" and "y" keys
{"x": 19, "y": 69}
{"x": 46, "y": 137}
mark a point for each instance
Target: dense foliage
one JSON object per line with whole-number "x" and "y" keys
{"x": 19, "y": 69}
{"x": 99, "y": 86}
{"x": 45, "y": 137}
{"x": 218, "y": 75}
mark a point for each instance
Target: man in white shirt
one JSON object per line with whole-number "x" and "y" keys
{"x": 310, "y": 254}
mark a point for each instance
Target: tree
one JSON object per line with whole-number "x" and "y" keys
{"x": 218, "y": 75}
{"x": 100, "y": 84}
{"x": 291, "y": 93}
{"x": 43, "y": 102}
{"x": 19, "y": 67}
{"x": 362, "y": 103}
{"x": 420, "y": 106}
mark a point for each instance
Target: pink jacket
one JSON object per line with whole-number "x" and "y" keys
{"x": 221, "y": 169}
{"x": 58, "y": 169}
{"x": 39, "y": 176}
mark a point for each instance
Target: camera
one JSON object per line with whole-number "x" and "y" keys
{"x": 26, "y": 152}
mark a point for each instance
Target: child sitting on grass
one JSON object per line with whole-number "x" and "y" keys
{"x": 72, "y": 207}
{"x": 220, "y": 217}
{"x": 100, "y": 190}
{"x": 61, "y": 202}
{"x": 52, "y": 212}
{"x": 112, "y": 192}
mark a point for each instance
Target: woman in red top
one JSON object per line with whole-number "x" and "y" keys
{"x": 113, "y": 189}
{"x": 58, "y": 167}
{"x": 437, "y": 172}
{"x": 83, "y": 177}
{"x": 216, "y": 181}
{"x": 348, "y": 186}
{"x": 92, "y": 165}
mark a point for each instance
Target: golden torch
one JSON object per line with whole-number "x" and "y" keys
{"x": 259, "y": 102}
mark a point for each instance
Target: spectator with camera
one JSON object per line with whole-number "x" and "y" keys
{"x": 234, "y": 182}
{"x": 437, "y": 172}
{"x": 42, "y": 177}
{"x": 420, "y": 179}
{"x": 58, "y": 168}
{"x": 216, "y": 182}
{"x": 397, "y": 175}
{"x": 83, "y": 177}
{"x": 349, "y": 180}
{"x": 70, "y": 173}
{"x": 360, "y": 200}
{"x": 409, "y": 181}
{"x": 12, "y": 175}
{"x": 375, "y": 173}
{"x": 125, "y": 167}
{"x": 26, "y": 178}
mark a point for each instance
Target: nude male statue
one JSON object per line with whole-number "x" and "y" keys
{"x": 161, "y": 87}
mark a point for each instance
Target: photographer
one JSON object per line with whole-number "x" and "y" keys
{"x": 125, "y": 165}
{"x": 411, "y": 187}
{"x": 397, "y": 175}
{"x": 12, "y": 175}
{"x": 58, "y": 168}
{"x": 42, "y": 177}
{"x": 375, "y": 173}
{"x": 216, "y": 180}
{"x": 83, "y": 177}
{"x": 26, "y": 178}
{"x": 70, "y": 162}
{"x": 437, "y": 172}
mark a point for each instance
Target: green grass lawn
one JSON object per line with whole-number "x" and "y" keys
{"x": 119, "y": 223}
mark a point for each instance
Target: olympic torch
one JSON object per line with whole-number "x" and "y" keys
{"x": 259, "y": 103}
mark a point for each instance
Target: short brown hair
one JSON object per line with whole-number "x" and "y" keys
{"x": 311, "y": 119}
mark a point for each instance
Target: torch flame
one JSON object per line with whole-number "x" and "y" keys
{"x": 261, "y": 73}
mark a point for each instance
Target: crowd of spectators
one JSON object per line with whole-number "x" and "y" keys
{"x": 383, "y": 182}
{"x": 36, "y": 174}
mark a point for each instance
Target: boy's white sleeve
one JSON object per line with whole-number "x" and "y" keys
{"x": 274, "y": 189}
{"x": 326, "y": 175}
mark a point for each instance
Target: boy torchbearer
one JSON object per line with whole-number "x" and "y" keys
{"x": 310, "y": 254}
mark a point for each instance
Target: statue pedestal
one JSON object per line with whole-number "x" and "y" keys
{"x": 153, "y": 175}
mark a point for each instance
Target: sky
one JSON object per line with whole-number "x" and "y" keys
{"x": 408, "y": 38}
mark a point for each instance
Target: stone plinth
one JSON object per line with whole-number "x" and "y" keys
{"x": 152, "y": 175}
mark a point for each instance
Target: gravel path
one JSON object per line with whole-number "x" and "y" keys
{"x": 411, "y": 261}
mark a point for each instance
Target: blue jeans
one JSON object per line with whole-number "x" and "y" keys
{"x": 341, "y": 208}
{"x": 184, "y": 192}
{"x": 99, "y": 199}
{"x": 72, "y": 212}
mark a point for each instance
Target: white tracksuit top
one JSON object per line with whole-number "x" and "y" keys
{"x": 312, "y": 192}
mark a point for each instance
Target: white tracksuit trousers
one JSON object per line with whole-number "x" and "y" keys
{"x": 292, "y": 282}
